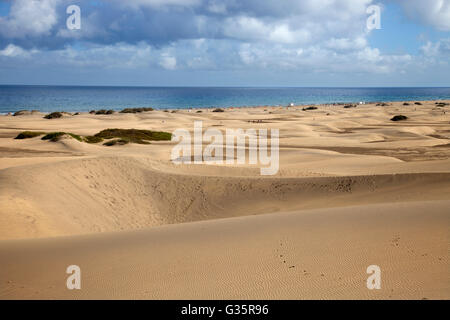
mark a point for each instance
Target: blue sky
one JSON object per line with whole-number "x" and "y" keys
{"x": 225, "y": 43}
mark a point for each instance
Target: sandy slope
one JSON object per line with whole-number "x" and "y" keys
{"x": 122, "y": 193}
{"x": 359, "y": 189}
{"x": 311, "y": 254}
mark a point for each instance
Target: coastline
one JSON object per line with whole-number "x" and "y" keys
{"x": 86, "y": 98}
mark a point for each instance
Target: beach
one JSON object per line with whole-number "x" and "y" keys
{"x": 353, "y": 189}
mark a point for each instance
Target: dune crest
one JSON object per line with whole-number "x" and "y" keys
{"x": 123, "y": 193}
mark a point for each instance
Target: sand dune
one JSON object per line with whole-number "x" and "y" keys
{"x": 311, "y": 254}
{"x": 122, "y": 193}
{"x": 353, "y": 189}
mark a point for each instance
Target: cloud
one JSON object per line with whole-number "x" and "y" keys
{"x": 160, "y": 22}
{"x": 437, "y": 53}
{"x": 305, "y": 36}
{"x": 29, "y": 17}
{"x": 168, "y": 62}
{"x": 432, "y": 12}
{"x": 14, "y": 51}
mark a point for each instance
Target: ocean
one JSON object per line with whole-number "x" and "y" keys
{"x": 85, "y": 98}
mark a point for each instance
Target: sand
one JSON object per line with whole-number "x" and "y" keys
{"x": 354, "y": 189}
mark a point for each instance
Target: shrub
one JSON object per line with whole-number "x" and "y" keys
{"x": 399, "y": 118}
{"x": 199, "y": 111}
{"x": 350, "y": 106}
{"x": 406, "y": 104}
{"x": 309, "y": 108}
{"x": 418, "y": 103}
{"x": 21, "y": 113}
{"x": 54, "y": 115}
{"x": 28, "y": 134}
{"x": 116, "y": 141}
{"x": 134, "y": 135}
{"x": 218, "y": 110}
{"x": 93, "y": 139}
{"x": 136, "y": 110}
{"x": 56, "y": 136}
{"x": 104, "y": 111}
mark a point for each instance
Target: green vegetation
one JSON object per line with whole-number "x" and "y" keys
{"x": 92, "y": 139}
{"x": 116, "y": 141}
{"x": 399, "y": 118}
{"x": 56, "y": 136}
{"x": 28, "y": 134}
{"x": 104, "y": 111}
{"x": 136, "y": 110}
{"x": 120, "y": 136}
{"x": 21, "y": 113}
{"x": 350, "y": 106}
{"x": 134, "y": 135}
{"x": 53, "y": 115}
{"x": 218, "y": 110}
{"x": 309, "y": 108}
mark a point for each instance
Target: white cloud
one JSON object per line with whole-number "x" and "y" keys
{"x": 346, "y": 43}
{"x": 168, "y": 62}
{"x": 29, "y": 17}
{"x": 12, "y": 50}
{"x": 216, "y": 6}
{"x": 436, "y": 53}
{"x": 300, "y": 35}
{"x": 159, "y": 3}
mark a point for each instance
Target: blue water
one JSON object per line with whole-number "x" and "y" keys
{"x": 80, "y": 98}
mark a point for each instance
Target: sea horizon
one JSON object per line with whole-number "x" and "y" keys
{"x": 83, "y": 98}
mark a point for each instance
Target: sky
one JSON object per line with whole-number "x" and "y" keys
{"x": 299, "y": 43}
